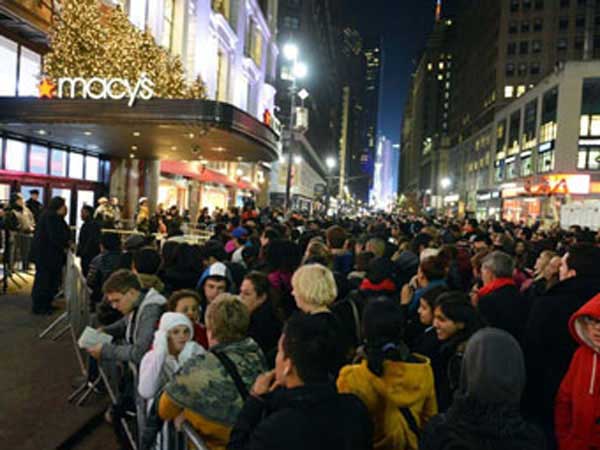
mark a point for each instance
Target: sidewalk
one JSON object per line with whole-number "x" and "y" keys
{"x": 36, "y": 381}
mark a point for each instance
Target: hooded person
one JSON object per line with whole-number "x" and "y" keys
{"x": 485, "y": 414}
{"x": 172, "y": 347}
{"x": 215, "y": 280}
{"x": 577, "y": 402}
{"x": 396, "y": 386}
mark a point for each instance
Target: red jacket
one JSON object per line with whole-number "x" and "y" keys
{"x": 577, "y": 407}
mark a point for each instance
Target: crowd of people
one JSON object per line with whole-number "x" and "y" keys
{"x": 383, "y": 332}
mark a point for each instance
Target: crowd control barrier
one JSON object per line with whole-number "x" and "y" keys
{"x": 73, "y": 321}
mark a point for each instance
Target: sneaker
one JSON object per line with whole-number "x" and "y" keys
{"x": 108, "y": 416}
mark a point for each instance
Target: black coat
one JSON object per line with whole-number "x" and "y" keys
{"x": 504, "y": 308}
{"x": 101, "y": 267}
{"x": 549, "y": 345}
{"x": 311, "y": 417}
{"x": 265, "y": 328}
{"x": 470, "y": 425}
{"x": 35, "y": 207}
{"x": 51, "y": 241}
{"x": 88, "y": 246}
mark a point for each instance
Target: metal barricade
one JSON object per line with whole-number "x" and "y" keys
{"x": 76, "y": 318}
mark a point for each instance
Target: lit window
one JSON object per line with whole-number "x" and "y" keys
{"x": 521, "y": 90}
{"x": 441, "y": 65}
{"x": 15, "y": 155}
{"x": 92, "y": 168}
{"x": 582, "y": 159}
{"x": 509, "y": 91}
{"x": 29, "y": 73}
{"x": 75, "y": 165}
{"x": 38, "y": 160}
{"x": 8, "y": 69}
{"x": 58, "y": 163}
{"x": 584, "y": 126}
{"x": 430, "y": 67}
{"x": 138, "y": 10}
{"x": 440, "y": 77}
{"x": 167, "y": 28}
{"x": 595, "y": 125}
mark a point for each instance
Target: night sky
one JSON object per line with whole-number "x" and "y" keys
{"x": 404, "y": 25}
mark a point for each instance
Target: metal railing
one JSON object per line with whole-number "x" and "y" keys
{"x": 75, "y": 319}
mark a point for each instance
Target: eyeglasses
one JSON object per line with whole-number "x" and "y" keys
{"x": 589, "y": 320}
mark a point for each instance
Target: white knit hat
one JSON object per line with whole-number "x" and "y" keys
{"x": 170, "y": 320}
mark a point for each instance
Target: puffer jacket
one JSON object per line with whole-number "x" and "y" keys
{"x": 207, "y": 394}
{"x": 578, "y": 400}
{"x": 403, "y": 385}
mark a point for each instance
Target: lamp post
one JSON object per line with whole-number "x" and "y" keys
{"x": 330, "y": 162}
{"x": 299, "y": 71}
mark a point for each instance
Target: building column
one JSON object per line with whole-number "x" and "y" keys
{"x": 118, "y": 178}
{"x": 151, "y": 182}
{"x": 133, "y": 188}
{"x": 194, "y": 200}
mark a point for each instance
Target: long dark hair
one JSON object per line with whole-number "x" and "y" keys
{"x": 383, "y": 328}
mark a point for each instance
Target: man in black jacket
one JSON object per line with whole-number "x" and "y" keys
{"x": 103, "y": 265}
{"x": 549, "y": 346}
{"x": 500, "y": 303}
{"x": 49, "y": 252}
{"x": 34, "y": 204}
{"x": 294, "y": 406}
{"x": 89, "y": 239}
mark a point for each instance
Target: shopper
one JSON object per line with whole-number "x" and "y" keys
{"x": 187, "y": 302}
{"x": 396, "y": 386}
{"x": 49, "y": 252}
{"x": 88, "y": 246}
{"x": 34, "y": 205}
{"x": 295, "y": 406}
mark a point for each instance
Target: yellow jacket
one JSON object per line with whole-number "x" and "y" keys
{"x": 403, "y": 384}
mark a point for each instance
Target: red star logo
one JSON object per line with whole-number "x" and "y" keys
{"x": 47, "y": 88}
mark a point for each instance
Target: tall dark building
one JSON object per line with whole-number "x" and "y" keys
{"x": 427, "y": 113}
{"x": 362, "y": 164}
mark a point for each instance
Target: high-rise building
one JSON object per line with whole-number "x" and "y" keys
{"x": 313, "y": 27}
{"x": 427, "y": 114}
{"x": 499, "y": 51}
{"x": 385, "y": 175}
{"x": 367, "y": 101}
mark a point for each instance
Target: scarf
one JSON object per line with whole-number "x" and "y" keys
{"x": 386, "y": 285}
{"x": 495, "y": 285}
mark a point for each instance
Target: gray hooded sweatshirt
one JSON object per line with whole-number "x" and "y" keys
{"x": 135, "y": 330}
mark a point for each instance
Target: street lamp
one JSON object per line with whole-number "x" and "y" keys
{"x": 299, "y": 71}
{"x": 445, "y": 183}
{"x": 330, "y": 162}
{"x": 297, "y": 159}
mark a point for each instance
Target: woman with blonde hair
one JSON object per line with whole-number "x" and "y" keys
{"x": 314, "y": 289}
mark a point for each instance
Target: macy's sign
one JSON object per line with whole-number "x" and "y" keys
{"x": 98, "y": 88}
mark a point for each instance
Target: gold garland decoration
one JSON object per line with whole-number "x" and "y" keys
{"x": 91, "y": 40}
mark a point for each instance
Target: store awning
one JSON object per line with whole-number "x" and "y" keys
{"x": 182, "y": 130}
{"x": 246, "y": 186}
{"x": 195, "y": 171}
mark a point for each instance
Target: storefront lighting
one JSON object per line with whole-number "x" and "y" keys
{"x": 239, "y": 158}
{"x": 87, "y": 133}
{"x": 134, "y": 147}
{"x": 174, "y": 148}
{"x": 191, "y": 135}
{"x": 239, "y": 172}
{"x": 136, "y": 133}
{"x": 131, "y": 156}
{"x": 219, "y": 149}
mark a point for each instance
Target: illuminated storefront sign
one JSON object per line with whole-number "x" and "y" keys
{"x": 98, "y": 88}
